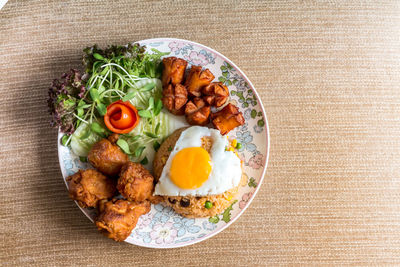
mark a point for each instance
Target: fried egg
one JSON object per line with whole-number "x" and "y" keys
{"x": 192, "y": 171}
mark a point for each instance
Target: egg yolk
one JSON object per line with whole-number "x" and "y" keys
{"x": 190, "y": 167}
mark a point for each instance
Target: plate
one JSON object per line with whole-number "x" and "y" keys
{"x": 2, "y": 3}
{"x": 162, "y": 227}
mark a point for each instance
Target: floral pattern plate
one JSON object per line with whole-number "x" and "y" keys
{"x": 162, "y": 227}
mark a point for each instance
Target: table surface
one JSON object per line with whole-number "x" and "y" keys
{"x": 328, "y": 74}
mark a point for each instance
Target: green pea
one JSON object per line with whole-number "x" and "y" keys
{"x": 238, "y": 145}
{"x": 208, "y": 205}
{"x": 83, "y": 159}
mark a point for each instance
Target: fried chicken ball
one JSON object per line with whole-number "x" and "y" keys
{"x": 135, "y": 183}
{"x": 117, "y": 218}
{"x": 88, "y": 187}
{"x": 107, "y": 157}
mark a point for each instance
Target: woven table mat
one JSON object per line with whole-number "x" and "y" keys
{"x": 328, "y": 74}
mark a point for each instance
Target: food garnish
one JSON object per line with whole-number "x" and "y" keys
{"x": 121, "y": 117}
{"x": 66, "y": 101}
{"x": 119, "y": 92}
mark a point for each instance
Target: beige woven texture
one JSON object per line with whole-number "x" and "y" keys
{"x": 328, "y": 74}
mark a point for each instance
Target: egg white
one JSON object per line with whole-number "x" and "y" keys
{"x": 226, "y": 168}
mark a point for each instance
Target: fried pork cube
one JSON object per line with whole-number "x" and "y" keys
{"x": 107, "y": 157}
{"x": 175, "y": 98}
{"x": 197, "y": 112}
{"x": 117, "y": 218}
{"x": 197, "y": 79}
{"x": 215, "y": 94}
{"x": 174, "y": 70}
{"x": 88, "y": 187}
{"x": 135, "y": 183}
{"x": 227, "y": 119}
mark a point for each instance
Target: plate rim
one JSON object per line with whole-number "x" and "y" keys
{"x": 266, "y": 127}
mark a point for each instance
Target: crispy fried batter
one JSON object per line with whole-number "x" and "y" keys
{"x": 117, "y": 218}
{"x": 135, "y": 182}
{"x": 215, "y": 94}
{"x": 174, "y": 70}
{"x": 175, "y": 98}
{"x": 88, "y": 187}
{"x": 197, "y": 79}
{"x": 107, "y": 157}
{"x": 227, "y": 119}
{"x": 197, "y": 112}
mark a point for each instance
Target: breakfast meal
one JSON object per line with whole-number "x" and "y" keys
{"x": 154, "y": 128}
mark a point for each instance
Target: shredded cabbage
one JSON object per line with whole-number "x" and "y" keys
{"x": 83, "y": 139}
{"x": 141, "y": 99}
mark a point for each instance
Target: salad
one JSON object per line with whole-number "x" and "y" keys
{"x": 119, "y": 91}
